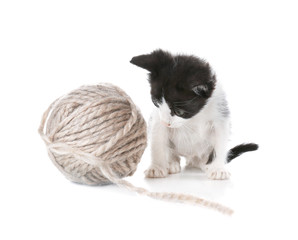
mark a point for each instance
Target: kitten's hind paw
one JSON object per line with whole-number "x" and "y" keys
{"x": 156, "y": 172}
{"x": 218, "y": 174}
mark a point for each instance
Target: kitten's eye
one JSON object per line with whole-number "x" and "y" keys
{"x": 179, "y": 112}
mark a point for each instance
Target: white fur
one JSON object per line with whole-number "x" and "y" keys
{"x": 194, "y": 139}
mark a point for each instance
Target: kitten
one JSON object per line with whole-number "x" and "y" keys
{"x": 191, "y": 119}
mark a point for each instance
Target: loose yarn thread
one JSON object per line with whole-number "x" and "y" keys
{"x": 96, "y": 135}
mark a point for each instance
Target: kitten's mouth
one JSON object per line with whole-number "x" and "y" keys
{"x": 173, "y": 126}
{"x": 168, "y": 124}
{"x": 165, "y": 123}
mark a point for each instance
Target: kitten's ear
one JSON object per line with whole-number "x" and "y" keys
{"x": 144, "y": 61}
{"x": 201, "y": 90}
{"x": 154, "y": 61}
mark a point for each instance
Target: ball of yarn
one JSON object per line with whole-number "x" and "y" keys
{"x": 94, "y": 129}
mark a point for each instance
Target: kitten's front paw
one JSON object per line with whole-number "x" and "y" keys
{"x": 218, "y": 174}
{"x": 174, "y": 168}
{"x": 156, "y": 172}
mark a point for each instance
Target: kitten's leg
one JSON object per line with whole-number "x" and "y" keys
{"x": 174, "y": 163}
{"x": 193, "y": 162}
{"x": 215, "y": 166}
{"x": 159, "y": 151}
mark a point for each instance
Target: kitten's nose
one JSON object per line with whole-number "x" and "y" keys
{"x": 165, "y": 123}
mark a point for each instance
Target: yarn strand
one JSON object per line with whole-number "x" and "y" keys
{"x": 169, "y": 196}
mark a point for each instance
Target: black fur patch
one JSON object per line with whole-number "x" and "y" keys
{"x": 185, "y": 82}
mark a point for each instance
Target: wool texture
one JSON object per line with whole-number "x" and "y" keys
{"x": 96, "y": 135}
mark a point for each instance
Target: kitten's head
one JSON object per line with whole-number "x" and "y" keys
{"x": 180, "y": 84}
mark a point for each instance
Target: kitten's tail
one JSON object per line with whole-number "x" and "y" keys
{"x": 239, "y": 149}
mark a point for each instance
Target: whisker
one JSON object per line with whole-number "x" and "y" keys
{"x": 182, "y": 103}
{"x": 188, "y": 112}
{"x": 175, "y": 108}
{"x": 188, "y": 128}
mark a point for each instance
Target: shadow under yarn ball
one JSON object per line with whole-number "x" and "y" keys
{"x": 92, "y": 130}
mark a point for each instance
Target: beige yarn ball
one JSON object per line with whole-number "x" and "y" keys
{"x": 94, "y": 128}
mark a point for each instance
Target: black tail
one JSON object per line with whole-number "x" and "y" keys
{"x": 239, "y": 149}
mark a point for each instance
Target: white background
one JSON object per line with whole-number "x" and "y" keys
{"x": 48, "y": 48}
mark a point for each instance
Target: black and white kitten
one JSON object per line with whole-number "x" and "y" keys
{"x": 191, "y": 119}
